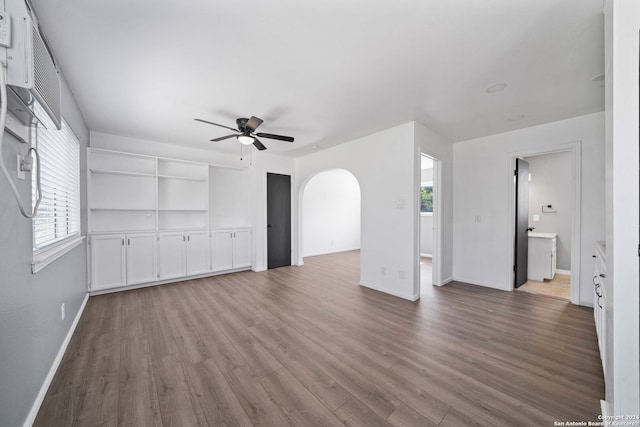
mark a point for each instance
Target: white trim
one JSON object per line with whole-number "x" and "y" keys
{"x": 45, "y": 257}
{"x": 333, "y": 251}
{"x": 575, "y": 148}
{"x": 565, "y": 272}
{"x": 31, "y": 417}
{"x": 444, "y": 282}
{"x": 113, "y": 289}
{"x": 390, "y": 291}
{"x": 426, "y": 213}
{"x": 426, "y": 255}
{"x": 478, "y": 283}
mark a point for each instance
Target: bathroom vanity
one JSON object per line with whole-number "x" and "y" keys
{"x": 542, "y": 260}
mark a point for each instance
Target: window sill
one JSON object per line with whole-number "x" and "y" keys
{"x": 426, "y": 213}
{"x": 47, "y": 256}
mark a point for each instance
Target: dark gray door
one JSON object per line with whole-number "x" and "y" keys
{"x": 278, "y": 220}
{"x": 522, "y": 222}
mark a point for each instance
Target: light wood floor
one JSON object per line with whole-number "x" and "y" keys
{"x": 559, "y": 286}
{"x": 307, "y": 346}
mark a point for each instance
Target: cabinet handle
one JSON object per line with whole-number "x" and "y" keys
{"x": 128, "y": 242}
{"x": 602, "y": 275}
{"x": 122, "y": 242}
{"x": 189, "y": 237}
{"x": 183, "y": 239}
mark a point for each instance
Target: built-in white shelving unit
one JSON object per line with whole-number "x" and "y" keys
{"x": 154, "y": 212}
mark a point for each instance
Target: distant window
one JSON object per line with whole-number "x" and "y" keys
{"x": 426, "y": 197}
{"x": 58, "y": 216}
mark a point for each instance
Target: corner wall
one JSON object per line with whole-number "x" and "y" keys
{"x": 482, "y": 188}
{"x": 31, "y": 332}
{"x": 387, "y": 167}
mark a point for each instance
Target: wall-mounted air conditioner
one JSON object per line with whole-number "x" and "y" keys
{"x": 31, "y": 70}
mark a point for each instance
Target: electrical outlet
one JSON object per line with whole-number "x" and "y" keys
{"x": 536, "y": 218}
{"x": 20, "y": 171}
{"x": 63, "y": 313}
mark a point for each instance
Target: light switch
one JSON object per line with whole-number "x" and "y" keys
{"x": 536, "y": 218}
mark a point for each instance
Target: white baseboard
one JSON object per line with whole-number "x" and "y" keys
{"x": 426, "y": 255}
{"x": 31, "y": 417}
{"x": 332, "y": 251}
{"x": 390, "y": 291}
{"x": 565, "y": 272}
{"x": 444, "y": 282}
{"x": 477, "y": 283}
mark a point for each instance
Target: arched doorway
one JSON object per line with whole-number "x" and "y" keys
{"x": 330, "y": 213}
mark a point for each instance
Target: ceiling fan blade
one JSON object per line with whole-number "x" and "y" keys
{"x": 253, "y": 123}
{"x": 216, "y": 124}
{"x": 278, "y": 137}
{"x": 258, "y": 144}
{"x": 222, "y": 138}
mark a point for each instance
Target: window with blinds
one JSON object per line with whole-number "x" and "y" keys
{"x": 58, "y": 216}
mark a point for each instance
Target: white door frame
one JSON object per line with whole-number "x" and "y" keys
{"x": 575, "y": 147}
{"x": 436, "y": 260}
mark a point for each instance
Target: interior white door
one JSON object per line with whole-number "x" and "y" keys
{"x": 172, "y": 261}
{"x": 141, "y": 258}
{"x": 222, "y": 250}
{"x": 198, "y": 253}
{"x": 107, "y": 261}
{"x": 241, "y": 248}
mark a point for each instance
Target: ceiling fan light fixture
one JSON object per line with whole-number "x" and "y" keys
{"x": 245, "y": 139}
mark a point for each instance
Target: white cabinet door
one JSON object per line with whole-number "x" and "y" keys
{"x": 107, "y": 261}
{"x": 241, "y": 248}
{"x": 171, "y": 255}
{"x": 222, "y": 250}
{"x": 198, "y": 253}
{"x": 141, "y": 258}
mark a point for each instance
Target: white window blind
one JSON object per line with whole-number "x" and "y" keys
{"x": 59, "y": 213}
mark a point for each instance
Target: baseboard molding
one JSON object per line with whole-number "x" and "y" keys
{"x": 477, "y": 283}
{"x": 333, "y": 251}
{"x": 604, "y": 408}
{"x": 389, "y": 291}
{"x": 445, "y": 282}
{"x": 31, "y": 417}
{"x": 164, "y": 282}
{"x": 565, "y": 272}
{"x": 426, "y": 255}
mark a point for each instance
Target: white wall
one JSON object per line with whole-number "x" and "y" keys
{"x": 621, "y": 294}
{"x": 31, "y": 332}
{"x": 229, "y": 197}
{"x": 551, "y": 184}
{"x": 165, "y": 149}
{"x": 331, "y": 213}
{"x": 482, "y": 187}
{"x": 426, "y": 234}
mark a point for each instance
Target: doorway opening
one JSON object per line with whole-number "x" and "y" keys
{"x": 429, "y": 229}
{"x": 546, "y": 222}
{"x": 331, "y": 213}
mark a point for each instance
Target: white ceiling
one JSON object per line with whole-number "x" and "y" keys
{"x": 325, "y": 72}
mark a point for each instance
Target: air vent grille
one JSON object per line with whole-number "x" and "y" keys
{"x": 46, "y": 84}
